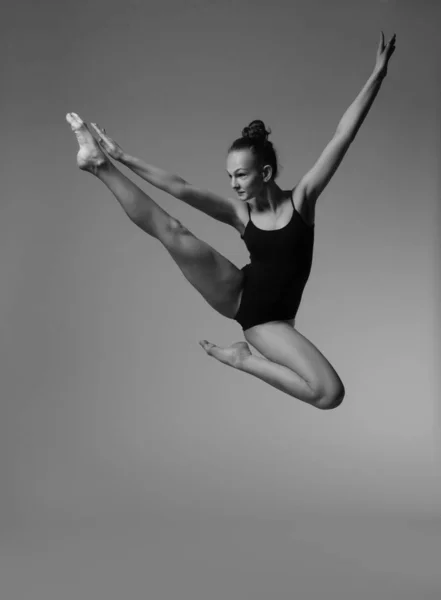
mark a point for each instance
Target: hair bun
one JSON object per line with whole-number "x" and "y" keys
{"x": 256, "y": 131}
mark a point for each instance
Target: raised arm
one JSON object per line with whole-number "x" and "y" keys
{"x": 220, "y": 208}
{"x": 313, "y": 183}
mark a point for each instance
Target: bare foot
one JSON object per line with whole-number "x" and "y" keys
{"x": 233, "y": 356}
{"x": 106, "y": 142}
{"x": 90, "y": 156}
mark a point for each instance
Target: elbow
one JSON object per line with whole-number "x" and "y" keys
{"x": 346, "y": 132}
{"x": 178, "y": 187}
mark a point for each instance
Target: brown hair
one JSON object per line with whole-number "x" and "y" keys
{"x": 255, "y": 137}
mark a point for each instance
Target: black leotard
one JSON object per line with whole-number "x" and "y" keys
{"x": 277, "y": 274}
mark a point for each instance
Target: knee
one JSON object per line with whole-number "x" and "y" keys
{"x": 331, "y": 398}
{"x": 175, "y": 227}
{"x": 172, "y": 232}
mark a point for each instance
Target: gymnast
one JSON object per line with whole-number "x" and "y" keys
{"x": 277, "y": 227}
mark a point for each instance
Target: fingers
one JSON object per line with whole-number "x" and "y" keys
{"x": 391, "y": 42}
{"x": 382, "y": 41}
{"x": 391, "y": 45}
{"x": 99, "y": 130}
{"x": 385, "y": 51}
{"x": 102, "y": 140}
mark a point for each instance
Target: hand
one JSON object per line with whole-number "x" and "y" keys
{"x": 384, "y": 53}
{"x": 107, "y": 144}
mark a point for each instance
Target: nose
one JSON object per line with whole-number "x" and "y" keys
{"x": 234, "y": 184}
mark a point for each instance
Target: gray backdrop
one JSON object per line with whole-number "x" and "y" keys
{"x": 131, "y": 464}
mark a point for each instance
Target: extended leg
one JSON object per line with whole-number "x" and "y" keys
{"x": 217, "y": 279}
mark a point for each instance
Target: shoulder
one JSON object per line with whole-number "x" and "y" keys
{"x": 241, "y": 215}
{"x": 303, "y": 204}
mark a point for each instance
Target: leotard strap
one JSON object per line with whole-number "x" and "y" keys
{"x": 249, "y": 212}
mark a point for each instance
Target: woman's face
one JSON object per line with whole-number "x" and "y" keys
{"x": 245, "y": 175}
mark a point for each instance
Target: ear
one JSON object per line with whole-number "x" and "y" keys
{"x": 267, "y": 173}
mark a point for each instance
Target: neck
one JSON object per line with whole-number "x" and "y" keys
{"x": 270, "y": 198}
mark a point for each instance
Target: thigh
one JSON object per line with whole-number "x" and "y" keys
{"x": 216, "y": 278}
{"x": 281, "y": 343}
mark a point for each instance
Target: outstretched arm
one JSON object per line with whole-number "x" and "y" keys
{"x": 220, "y": 208}
{"x": 315, "y": 180}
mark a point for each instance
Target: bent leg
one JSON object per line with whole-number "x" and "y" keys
{"x": 293, "y": 365}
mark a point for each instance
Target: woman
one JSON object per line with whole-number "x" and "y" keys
{"x": 276, "y": 225}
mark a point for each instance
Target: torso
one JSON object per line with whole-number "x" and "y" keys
{"x": 281, "y": 249}
{"x": 270, "y": 222}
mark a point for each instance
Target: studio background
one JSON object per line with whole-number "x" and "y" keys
{"x": 114, "y": 422}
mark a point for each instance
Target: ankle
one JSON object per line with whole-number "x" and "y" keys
{"x": 103, "y": 168}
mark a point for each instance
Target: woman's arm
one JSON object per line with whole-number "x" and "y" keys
{"x": 222, "y": 209}
{"x": 315, "y": 180}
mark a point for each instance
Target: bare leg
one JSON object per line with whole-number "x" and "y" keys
{"x": 217, "y": 279}
{"x": 290, "y": 363}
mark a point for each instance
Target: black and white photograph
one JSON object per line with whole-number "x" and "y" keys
{"x": 220, "y": 300}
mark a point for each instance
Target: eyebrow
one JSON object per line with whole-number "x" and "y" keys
{"x": 239, "y": 169}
